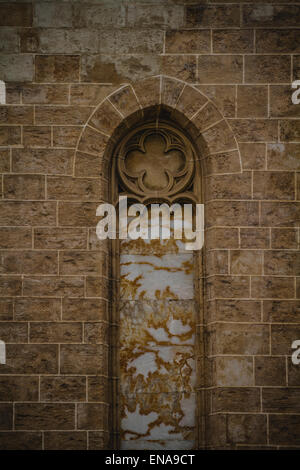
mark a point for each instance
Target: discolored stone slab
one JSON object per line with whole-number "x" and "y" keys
{"x": 272, "y": 287}
{"x": 65, "y": 440}
{"x": 18, "y": 388}
{"x": 187, "y": 41}
{"x": 209, "y": 67}
{"x": 85, "y": 309}
{"x": 60, "y": 388}
{"x": 30, "y": 359}
{"x": 49, "y": 161}
{"x": 89, "y": 359}
{"x": 54, "y": 286}
{"x": 18, "y": 440}
{"x": 44, "y": 416}
{"x": 270, "y": 371}
{"x": 27, "y": 309}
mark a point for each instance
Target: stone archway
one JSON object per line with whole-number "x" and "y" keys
{"x": 156, "y": 98}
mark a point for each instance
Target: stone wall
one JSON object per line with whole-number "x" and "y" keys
{"x": 230, "y": 66}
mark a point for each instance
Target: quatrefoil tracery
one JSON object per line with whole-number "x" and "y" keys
{"x": 155, "y": 162}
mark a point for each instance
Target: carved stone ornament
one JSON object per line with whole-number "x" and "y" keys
{"x": 155, "y": 162}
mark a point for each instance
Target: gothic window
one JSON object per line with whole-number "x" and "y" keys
{"x": 156, "y": 306}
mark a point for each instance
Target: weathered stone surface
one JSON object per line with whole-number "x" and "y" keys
{"x": 270, "y": 15}
{"x": 281, "y": 104}
{"x": 16, "y": 14}
{"x": 66, "y": 136}
{"x": 222, "y": 163}
{"x": 18, "y": 440}
{"x": 19, "y": 388}
{"x": 251, "y": 130}
{"x": 209, "y": 67}
{"x": 119, "y": 69}
{"x": 218, "y": 138}
{"x": 190, "y": 101}
{"x": 282, "y": 263}
{"x": 274, "y": 185}
{"x": 90, "y": 359}
{"x": 85, "y": 309}
{"x": 131, "y": 41}
{"x": 146, "y": 15}
{"x": 280, "y": 400}
{"x": 255, "y": 238}
{"x": 15, "y": 67}
{"x": 252, "y": 101}
{"x": 24, "y": 187}
{"x": 49, "y": 161}
{"x": 248, "y": 429}
{"x": 180, "y": 66}
{"x": 63, "y": 388}
{"x": 27, "y": 213}
{"x": 280, "y": 214}
{"x": 68, "y": 188}
{"x": 246, "y": 262}
{"x": 60, "y": 114}
{"x": 234, "y": 371}
{"x": 270, "y": 371}
{"x": 36, "y": 136}
{"x": 229, "y": 186}
{"x": 229, "y": 286}
{"x": 284, "y": 429}
{"x": 57, "y": 332}
{"x": 57, "y": 68}
{"x": 267, "y": 68}
{"x": 16, "y": 115}
{"x": 212, "y": 16}
{"x": 4, "y": 160}
{"x": 35, "y": 309}
{"x": 65, "y": 440}
{"x": 92, "y": 416}
{"x": 30, "y": 359}
{"x": 233, "y": 41}
{"x": 96, "y": 333}
{"x": 67, "y": 41}
{"x": 99, "y": 15}
{"x": 235, "y": 310}
{"x": 9, "y": 40}
{"x": 11, "y": 285}
{"x": 14, "y": 332}
{"x": 10, "y": 135}
{"x": 232, "y": 213}
{"x": 290, "y": 131}
{"x": 37, "y": 416}
{"x": 6, "y": 309}
{"x": 240, "y": 339}
{"x": 187, "y": 41}
{"x": 284, "y": 238}
{"x": 60, "y": 238}
{"x": 45, "y": 94}
{"x": 272, "y": 287}
{"x": 54, "y": 286}
{"x": 236, "y": 400}
{"x": 253, "y": 156}
{"x": 80, "y": 262}
{"x": 78, "y": 214}
{"x": 98, "y": 440}
{"x": 223, "y": 97}
{"x": 52, "y": 15}
{"x": 6, "y": 416}
{"x": 98, "y": 388}
{"x": 277, "y": 41}
{"x": 106, "y": 118}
